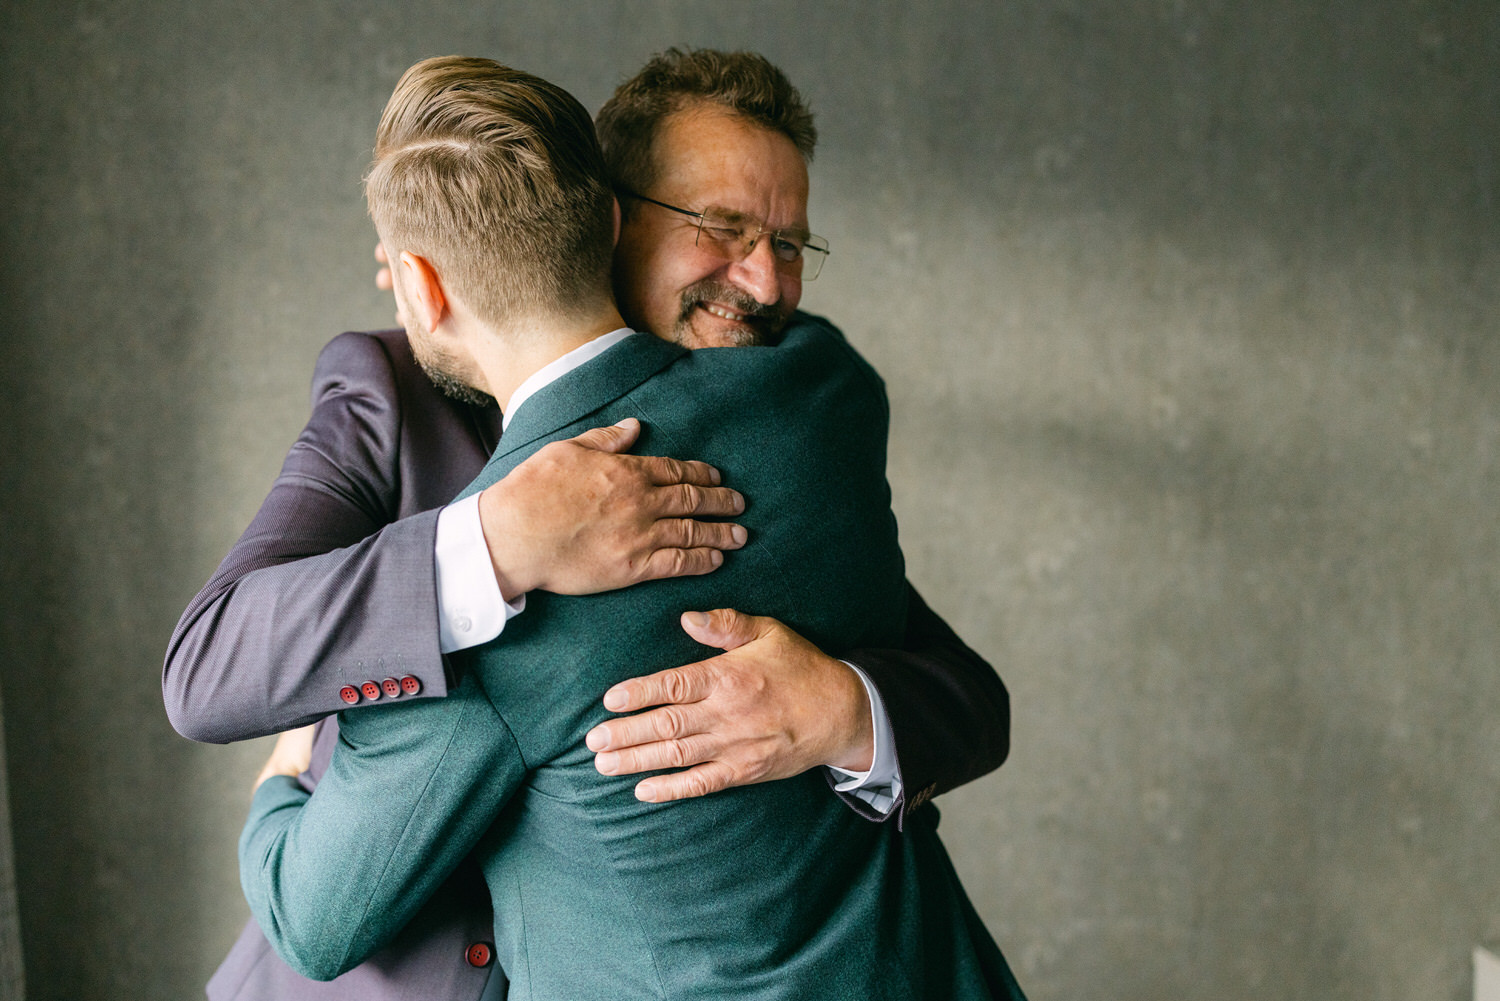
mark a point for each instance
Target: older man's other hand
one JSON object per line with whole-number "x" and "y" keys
{"x": 291, "y": 754}
{"x": 772, "y": 706}
{"x": 383, "y": 279}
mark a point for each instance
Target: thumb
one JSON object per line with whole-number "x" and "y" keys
{"x": 615, "y": 438}
{"x": 723, "y": 627}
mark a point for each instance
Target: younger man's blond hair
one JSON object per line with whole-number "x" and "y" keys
{"x": 495, "y": 177}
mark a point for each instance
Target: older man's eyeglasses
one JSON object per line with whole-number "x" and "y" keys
{"x": 733, "y": 236}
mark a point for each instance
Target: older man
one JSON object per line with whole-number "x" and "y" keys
{"x": 708, "y": 152}
{"x": 488, "y": 189}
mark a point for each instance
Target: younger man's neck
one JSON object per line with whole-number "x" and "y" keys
{"x": 509, "y": 355}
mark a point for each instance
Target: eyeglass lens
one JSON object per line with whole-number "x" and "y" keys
{"x": 733, "y": 239}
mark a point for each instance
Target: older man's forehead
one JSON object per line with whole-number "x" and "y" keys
{"x": 710, "y": 158}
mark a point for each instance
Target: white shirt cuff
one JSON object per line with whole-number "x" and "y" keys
{"x": 881, "y": 785}
{"x": 469, "y": 606}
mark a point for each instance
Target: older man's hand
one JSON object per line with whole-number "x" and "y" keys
{"x": 579, "y": 517}
{"x": 772, "y": 706}
{"x": 291, "y": 755}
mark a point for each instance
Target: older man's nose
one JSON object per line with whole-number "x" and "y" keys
{"x": 757, "y": 273}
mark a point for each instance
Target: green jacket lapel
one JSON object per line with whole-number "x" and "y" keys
{"x": 592, "y": 385}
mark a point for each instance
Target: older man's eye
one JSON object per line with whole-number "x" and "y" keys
{"x": 722, "y": 233}
{"x": 786, "y": 249}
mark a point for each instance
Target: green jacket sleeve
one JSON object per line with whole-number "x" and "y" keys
{"x": 411, "y": 789}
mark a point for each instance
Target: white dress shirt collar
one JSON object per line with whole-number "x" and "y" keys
{"x": 554, "y": 370}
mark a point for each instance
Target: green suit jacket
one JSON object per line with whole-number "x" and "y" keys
{"x": 772, "y": 891}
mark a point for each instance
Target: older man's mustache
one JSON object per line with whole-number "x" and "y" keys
{"x": 765, "y": 321}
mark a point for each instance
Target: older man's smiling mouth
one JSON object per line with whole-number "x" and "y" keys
{"x": 742, "y": 319}
{"x": 724, "y": 312}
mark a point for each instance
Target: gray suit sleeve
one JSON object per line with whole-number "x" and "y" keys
{"x": 254, "y": 652}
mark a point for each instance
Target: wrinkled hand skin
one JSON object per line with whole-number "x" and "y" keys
{"x": 290, "y": 755}
{"x": 578, "y": 517}
{"x": 769, "y": 707}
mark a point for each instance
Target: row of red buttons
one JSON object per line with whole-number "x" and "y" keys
{"x": 372, "y": 690}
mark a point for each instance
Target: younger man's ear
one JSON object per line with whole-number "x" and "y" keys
{"x": 617, "y": 221}
{"x": 424, "y": 290}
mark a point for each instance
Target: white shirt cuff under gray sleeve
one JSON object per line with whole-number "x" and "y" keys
{"x": 881, "y": 785}
{"x": 470, "y": 608}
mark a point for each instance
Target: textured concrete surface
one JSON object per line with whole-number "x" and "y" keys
{"x": 1188, "y": 313}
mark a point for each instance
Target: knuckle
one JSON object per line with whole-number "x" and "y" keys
{"x": 685, "y": 532}
{"x": 675, "y": 686}
{"x": 666, "y": 723}
{"x": 723, "y": 619}
{"x": 691, "y": 496}
{"x": 659, "y": 470}
{"x": 701, "y": 560}
{"x": 697, "y": 784}
{"x": 629, "y": 472}
{"x": 739, "y": 684}
{"x": 681, "y": 562}
{"x": 638, "y": 568}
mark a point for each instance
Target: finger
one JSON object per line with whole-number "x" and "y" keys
{"x": 658, "y": 755}
{"x": 684, "y": 500}
{"x": 664, "y": 723}
{"x": 666, "y": 471}
{"x": 688, "y": 533}
{"x": 383, "y": 279}
{"x": 615, "y": 438}
{"x": 724, "y": 627}
{"x": 676, "y": 686}
{"x": 665, "y": 563}
{"x": 700, "y": 780}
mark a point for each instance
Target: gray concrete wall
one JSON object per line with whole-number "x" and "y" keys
{"x": 1188, "y": 313}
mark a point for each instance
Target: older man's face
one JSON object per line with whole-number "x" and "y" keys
{"x": 682, "y": 290}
